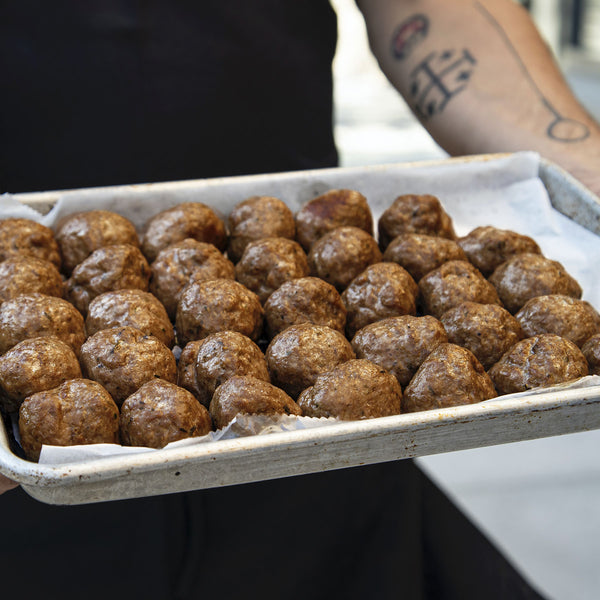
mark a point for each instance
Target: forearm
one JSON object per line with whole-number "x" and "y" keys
{"x": 6, "y": 484}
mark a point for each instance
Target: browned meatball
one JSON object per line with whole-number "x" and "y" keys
{"x": 399, "y": 344}
{"x": 526, "y": 276}
{"x": 136, "y": 308}
{"x": 244, "y": 394}
{"x": 574, "y": 319}
{"x": 299, "y": 354}
{"x": 335, "y": 208}
{"x": 356, "y": 389}
{"x": 187, "y": 220}
{"x": 80, "y": 234}
{"x": 29, "y": 275}
{"x": 206, "y": 307}
{"x": 110, "y": 268}
{"x": 77, "y": 412}
{"x": 268, "y": 263}
{"x": 257, "y": 218}
{"x": 487, "y": 330}
{"x": 539, "y": 361}
{"x": 205, "y": 364}
{"x": 161, "y": 412}
{"x": 419, "y": 254}
{"x": 449, "y": 376}
{"x": 591, "y": 351}
{"x": 178, "y": 264}
{"x": 488, "y": 247}
{"x": 24, "y": 237}
{"x": 35, "y": 365}
{"x": 414, "y": 213}
{"x": 304, "y": 300}
{"x": 38, "y": 315}
{"x": 122, "y": 359}
{"x": 382, "y": 290}
{"x": 453, "y": 283}
{"x": 340, "y": 255}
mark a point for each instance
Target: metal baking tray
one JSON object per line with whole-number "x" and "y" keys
{"x": 347, "y": 444}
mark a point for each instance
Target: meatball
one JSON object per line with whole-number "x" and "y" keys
{"x": 382, "y": 290}
{"x": 340, "y": 255}
{"x": 591, "y": 351}
{"x": 539, "y": 361}
{"x": 304, "y": 300}
{"x": 136, "y": 308}
{"x": 79, "y": 411}
{"x": 333, "y": 209}
{"x": 80, "y": 234}
{"x": 356, "y": 389}
{"x": 414, "y": 213}
{"x": 178, "y": 264}
{"x": 257, "y": 218}
{"x": 574, "y": 319}
{"x": 449, "y": 376}
{"x": 244, "y": 394}
{"x": 24, "y": 237}
{"x": 122, "y": 359}
{"x": 38, "y": 315}
{"x": 187, "y": 220}
{"x": 109, "y": 268}
{"x": 35, "y": 365}
{"x": 487, "y": 330}
{"x": 526, "y": 276}
{"x": 268, "y": 263}
{"x": 161, "y": 412}
{"x": 299, "y": 354}
{"x": 29, "y": 275}
{"x": 419, "y": 254}
{"x": 399, "y": 344}
{"x": 205, "y": 364}
{"x": 206, "y": 307}
{"x": 453, "y": 283}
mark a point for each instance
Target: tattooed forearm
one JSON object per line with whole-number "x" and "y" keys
{"x": 408, "y": 35}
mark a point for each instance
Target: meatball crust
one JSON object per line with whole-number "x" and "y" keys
{"x": 333, "y": 209}
{"x": 538, "y": 361}
{"x": 382, "y": 290}
{"x": 38, "y": 315}
{"x": 29, "y": 275}
{"x": 181, "y": 262}
{"x": 453, "y": 283}
{"x": 414, "y": 213}
{"x": 356, "y": 389}
{"x": 161, "y": 412}
{"x": 80, "y": 234}
{"x": 299, "y": 354}
{"x": 399, "y": 344}
{"x": 35, "y": 365}
{"x": 206, "y": 307}
{"x": 526, "y": 276}
{"x": 591, "y": 351}
{"x": 187, "y": 220}
{"x": 79, "y": 411}
{"x": 488, "y": 247}
{"x": 340, "y": 255}
{"x": 268, "y": 263}
{"x": 135, "y": 308}
{"x": 449, "y": 376}
{"x": 122, "y": 359}
{"x": 24, "y": 237}
{"x": 256, "y": 218}
{"x": 487, "y": 330}
{"x": 571, "y": 318}
{"x": 205, "y": 364}
{"x": 107, "y": 269}
{"x": 304, "y": 300}
{"x": 419, "y": 254}
{"x": 244, "y": 394}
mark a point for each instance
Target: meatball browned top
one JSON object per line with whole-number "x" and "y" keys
{"x": 24, "y": 237}
{"x": 591, "y": 351}
{"x": 29, "y": 275}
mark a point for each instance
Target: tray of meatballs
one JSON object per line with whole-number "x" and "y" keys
{"x": 178, "y": 336}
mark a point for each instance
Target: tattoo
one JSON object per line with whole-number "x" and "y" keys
{"x": 409, "y": 34}
{"x": 561, "y": 128}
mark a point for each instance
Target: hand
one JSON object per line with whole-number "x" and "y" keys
{"x": 6, "y": 484}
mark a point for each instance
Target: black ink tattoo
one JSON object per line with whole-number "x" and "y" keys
{"x": 408, "y": 34}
